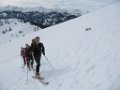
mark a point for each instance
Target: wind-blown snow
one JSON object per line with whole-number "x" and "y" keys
{"x": 83, "y": 60}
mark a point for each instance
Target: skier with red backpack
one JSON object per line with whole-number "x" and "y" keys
{"x": 23, "y": 55}
{"x": 27, "y": 56}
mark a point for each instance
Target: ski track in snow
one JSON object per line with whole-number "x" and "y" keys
{"x": 83, "y": 60}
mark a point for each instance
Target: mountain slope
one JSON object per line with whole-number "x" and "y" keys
{"x": 84, "y": 59}
{"x": 14, "y": 28}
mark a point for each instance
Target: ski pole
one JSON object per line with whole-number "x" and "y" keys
{"x": 49, "y": 62}
{"x": 27, "y": 76}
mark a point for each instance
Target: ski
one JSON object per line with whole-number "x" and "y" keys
{"x": 41, "y": 80}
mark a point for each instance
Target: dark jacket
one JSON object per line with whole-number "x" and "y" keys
{"x": 37, "y": 49}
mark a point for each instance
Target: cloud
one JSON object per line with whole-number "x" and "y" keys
{"x": 55, "y": 3}
{"x": 28, "y": 3}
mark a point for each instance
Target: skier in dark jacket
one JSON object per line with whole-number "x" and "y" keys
{"x": 37, "y": 48}
{"x": 31, "y": 54}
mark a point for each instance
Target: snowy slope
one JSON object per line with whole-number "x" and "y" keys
{"x": 14, "y": 28}
{"x": 83, "y": 60}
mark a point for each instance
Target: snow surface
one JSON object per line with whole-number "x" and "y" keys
{"x": 16, "y": 26}
{"x": 83, "y": 60}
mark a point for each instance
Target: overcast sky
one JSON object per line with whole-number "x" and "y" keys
{"x": 51, "y": 3}
{"x": 28, "y": 3}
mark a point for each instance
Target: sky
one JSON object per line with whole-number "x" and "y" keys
{"x": 54, "y": 3}
{"x": 27, "y": 3}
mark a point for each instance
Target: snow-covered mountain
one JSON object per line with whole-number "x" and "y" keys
{"x": 14, "y": 28}
{"x": 42, "y": 16}
{"x": 84, "y": 52}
